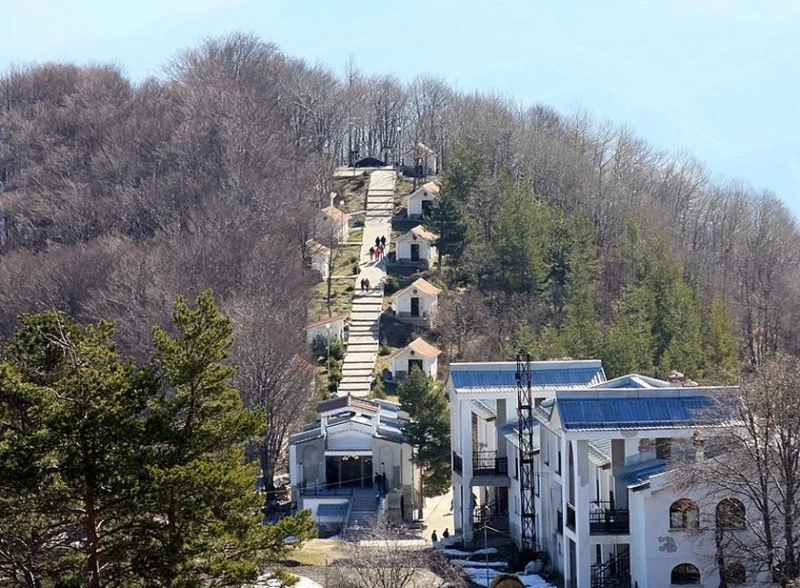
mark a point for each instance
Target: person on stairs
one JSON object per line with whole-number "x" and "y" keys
{"x": 434, "y": 538}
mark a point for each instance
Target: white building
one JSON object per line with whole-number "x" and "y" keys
{"x": 421, "y": 161}
{"x": 332, "y": 226}
{"x": 419, "y": 353}
{"x": 418, "y": 302}
{"x": 353, "y": 440}
{"x": 325, "y": 330}
{"x": 319, "y": 257}
{"x": 419, "y": 202}
{"x": 418, "y": 246}
{"x": 606, "y": 513}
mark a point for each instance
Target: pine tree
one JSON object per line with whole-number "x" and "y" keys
{"x": 447, "y": 219}
{"x": 71, "y": 431}
{"x": 206, "y": 522}
{"x": 719, "y": 343}
{"x": 628, "y": 342}
{"x": 427, "y": 431}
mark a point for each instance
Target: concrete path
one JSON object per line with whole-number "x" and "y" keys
{"x": 362, "y": 344}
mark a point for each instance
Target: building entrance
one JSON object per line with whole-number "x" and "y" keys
{"x": 349, "y": 471}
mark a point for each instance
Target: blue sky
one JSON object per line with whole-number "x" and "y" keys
{"x": 720, "y": 79}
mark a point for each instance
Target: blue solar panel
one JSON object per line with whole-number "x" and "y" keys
{"x": 507, "y": 378}
{"x": 635, "y": 413}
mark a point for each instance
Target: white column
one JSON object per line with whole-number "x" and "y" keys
{"x": 465, "y": 418}
{"x": 583, "y": 494}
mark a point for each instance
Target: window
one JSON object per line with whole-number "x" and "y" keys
{"x": 685, "y": 575}
{"x": 558, "y": 463}
{"x": 735, "y": 573}
{"x": 684, "y": 514}
{"x": 730, "y": 514}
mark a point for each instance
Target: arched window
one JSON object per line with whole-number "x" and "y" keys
{"x": 730, "y": 514}
{"x": 735, "y": 573}
{"x": 684, "y": 514}
{"x": 685, "y": 574}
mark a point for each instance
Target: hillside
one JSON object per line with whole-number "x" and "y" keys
{"x": 571, "y": 236}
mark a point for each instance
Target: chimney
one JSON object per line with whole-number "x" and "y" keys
{"x": 675, "y": 377}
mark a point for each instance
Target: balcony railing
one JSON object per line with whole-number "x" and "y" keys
{"x": 606, "y": 519}
{"x": 615, "y": 573}
{"x": 458, "y": 465}
{"x": 486, "y": 463}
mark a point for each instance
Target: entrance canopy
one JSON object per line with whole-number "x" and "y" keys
{"x": 348, "y": 452}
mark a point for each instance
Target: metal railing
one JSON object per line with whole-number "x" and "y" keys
{"x": 615, "y": 573}
{"x": 486, "y": 463}
{"x": 606, "y": 519}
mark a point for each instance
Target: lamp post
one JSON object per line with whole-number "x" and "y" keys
{"x": 399, "y": 143}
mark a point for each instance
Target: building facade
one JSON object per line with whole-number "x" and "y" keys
{"x": 608, "y": 513}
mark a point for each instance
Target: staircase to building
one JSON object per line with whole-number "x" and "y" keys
{"x": 363, "y": 514}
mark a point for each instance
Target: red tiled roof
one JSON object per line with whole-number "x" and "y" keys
{"x": 431, "y": 187}
{"x": 326, "y": 320}
{"x": 335, "y": 214}
{"x": 423, "y": 286}
{"x": 317, "y": 247}
{"x": 420, "y": 347}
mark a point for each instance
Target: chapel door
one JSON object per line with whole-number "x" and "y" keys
{"x": 412, "y": 363}
{"x": 415, "y": 252}
{"x": 415, "y": 306}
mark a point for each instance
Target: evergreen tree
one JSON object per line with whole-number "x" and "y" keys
{"x": 207, "y": 524}
{"x": 719, "y": 343}
{"x": 447, "y": 219}
{"x": 519, "y": 238}
{"x": 428, "y": 431}
{"x": 70, "y": 435}
{"x": 581, "y": 333}
{"x": 628, "y": 342}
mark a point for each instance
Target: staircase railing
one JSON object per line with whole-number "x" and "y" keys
{"x": 614, "y": 573}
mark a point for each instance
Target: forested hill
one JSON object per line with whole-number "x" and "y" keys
{"x": 565, "y": 235}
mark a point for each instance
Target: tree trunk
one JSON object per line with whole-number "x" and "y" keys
{"x": 90, "y": 528}
{"x": 421, "y": 504}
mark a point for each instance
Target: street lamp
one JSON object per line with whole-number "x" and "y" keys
{"x": 328, "y": 344}
{"x": 399, "y": 144}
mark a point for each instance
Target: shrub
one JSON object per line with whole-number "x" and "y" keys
{"x": 384, "y": 348}
{"x": 358, "y": 222}
{"x": 337, "y": 349}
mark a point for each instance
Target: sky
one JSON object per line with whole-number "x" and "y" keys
{"x": 719, "y": 79}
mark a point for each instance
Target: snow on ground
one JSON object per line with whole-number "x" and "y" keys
{"x": 269, "y": 582}
{"x": 478, "y": 564}
{"x": 460, "y": 553}
{"x": 484, "y": 577}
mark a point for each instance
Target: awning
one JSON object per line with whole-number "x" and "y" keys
{"x": 349, "y": 452}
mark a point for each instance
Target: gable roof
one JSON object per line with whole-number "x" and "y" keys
{"x": 431, "y": 187}
{"x": 420, "y": 347}
{"x": 335, "y": 214}
{"x": 315, "y": 247}
{"x": 420, "y": 232}
{"x": 420, "y": 284}
{"x": 500, "y": 376}
{"x": 347, "y": 401}
{"x": 323, "y": 321}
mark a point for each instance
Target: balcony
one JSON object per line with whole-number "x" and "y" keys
{"x": 486, "y": 463}
{"x": 606, "y": 519}
{"x": 458, "y": 466}
{"x": 615, "y": 573}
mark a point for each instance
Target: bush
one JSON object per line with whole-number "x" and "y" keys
{"x": 337, "y": 349}
{"x": 384, "y": 348}
{"x": 358, "y": 222}
{"x": 376, "y": 389}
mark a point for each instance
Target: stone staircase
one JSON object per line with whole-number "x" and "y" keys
{"x": 363, "y": 513}
{"x": 362, "y": 344}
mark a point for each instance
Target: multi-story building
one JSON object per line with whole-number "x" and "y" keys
{"x": 607, "y": 512}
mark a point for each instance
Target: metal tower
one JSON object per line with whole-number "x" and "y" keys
{"x": 526, "y": 473}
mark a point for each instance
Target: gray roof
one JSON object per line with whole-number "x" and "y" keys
{"x": 488, "y": 377}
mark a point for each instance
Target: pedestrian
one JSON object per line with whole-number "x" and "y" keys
{"x": 371, "y": 253}
{"x": 383, "y": 242}
{"x": 366, "y": 283}
{"x": 377, "y": 242}
{"x": 377, "y": 253}
{"x": 363, "y": 284}
{"x": 434, "y": 538}
{"x": 446, "y": 534}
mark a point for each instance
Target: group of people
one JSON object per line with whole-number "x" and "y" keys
{"x": 435, "y": 537}
{"x": 364, "y": 284}
{"x": 376, "y": 252}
